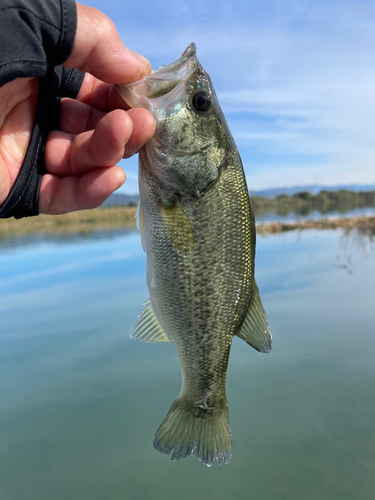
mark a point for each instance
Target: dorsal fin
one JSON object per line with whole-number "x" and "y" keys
{"x": 255, "y": 329}
{"x": 147, "y": 327}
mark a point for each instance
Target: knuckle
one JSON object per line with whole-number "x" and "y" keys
{"x": 102, "y": 24}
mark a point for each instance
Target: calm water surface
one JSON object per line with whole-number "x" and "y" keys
{"x": 80, "y": 401}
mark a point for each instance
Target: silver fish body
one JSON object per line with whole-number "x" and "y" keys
{"x": 198, "y": 232}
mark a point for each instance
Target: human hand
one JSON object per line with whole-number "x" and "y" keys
{"x": 96, "y": 129}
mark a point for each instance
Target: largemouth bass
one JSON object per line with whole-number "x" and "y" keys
{"x": 198, "y": 231}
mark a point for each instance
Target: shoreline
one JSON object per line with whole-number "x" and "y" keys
{"x": 84, "y": 221}
{"x": 87, "y": 221}
{"x": 360, "y": 222}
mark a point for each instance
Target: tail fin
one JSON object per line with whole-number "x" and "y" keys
{"x": 207, "y": 438}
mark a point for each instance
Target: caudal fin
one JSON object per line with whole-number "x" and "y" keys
{"x": 207, "y": 437}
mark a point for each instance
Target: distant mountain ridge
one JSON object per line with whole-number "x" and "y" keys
{"x": 124, "y": 199}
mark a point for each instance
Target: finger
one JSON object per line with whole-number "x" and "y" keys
{"x": 98, "y": 50}
{"x": 77, "y": 117}
{"x": 69, "y": 154}
{"x": 5, "y": 183}
{"x": 60, "y": 196}
{"x": 100, "y": 95}
{"x": 143, "y": 130}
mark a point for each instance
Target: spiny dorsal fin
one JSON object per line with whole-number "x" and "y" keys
{"x": 179, "y": 230}
{"x": 255, "y": 329}
{"x": 147, "y": 327}
{"x": 140, "y": 223}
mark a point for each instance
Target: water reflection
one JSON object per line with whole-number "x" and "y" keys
{"x": 354, "y": 244}
{"x": 305, "y": 206}
{"x": 292, "y": 216}
{"x": 30, "y": 239}
{"x": 361, "y": 236}
{"x": 80, "y": 401}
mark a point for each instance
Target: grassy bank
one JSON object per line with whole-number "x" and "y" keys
{"x": 84, "y": 221}
{"x": 365, "y": 225}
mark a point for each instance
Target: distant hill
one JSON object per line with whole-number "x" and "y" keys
{"x": 123, "y": 199}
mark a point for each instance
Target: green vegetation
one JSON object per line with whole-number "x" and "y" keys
{"x": 303, "y": 203}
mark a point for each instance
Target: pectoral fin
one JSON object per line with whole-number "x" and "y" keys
{"x": 147, "y": 327}
{"x": 255, "y": 329}
{"x": 179, "y": 230}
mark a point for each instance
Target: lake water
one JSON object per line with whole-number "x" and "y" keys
{"x": 80, "y": 401}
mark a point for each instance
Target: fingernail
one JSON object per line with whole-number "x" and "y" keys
{"x": 143, "y": 60}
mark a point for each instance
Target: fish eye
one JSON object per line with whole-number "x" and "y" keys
{"x": 201, "y": 102}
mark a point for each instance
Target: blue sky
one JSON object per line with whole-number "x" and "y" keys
{"x": 295, "y": 79}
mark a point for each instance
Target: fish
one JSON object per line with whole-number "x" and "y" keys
{"x": 198, "y": 231}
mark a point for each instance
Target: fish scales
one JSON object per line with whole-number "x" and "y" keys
{"x": 187, "y": 296}
{"x": 198, "y": 231}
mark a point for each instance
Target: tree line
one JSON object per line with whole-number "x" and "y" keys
{"x": 304, "y": 203}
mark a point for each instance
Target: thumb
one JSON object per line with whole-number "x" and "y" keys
{"x": 99, "y": 50}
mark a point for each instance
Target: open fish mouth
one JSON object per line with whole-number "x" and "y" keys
{"x": 160, "y": 82}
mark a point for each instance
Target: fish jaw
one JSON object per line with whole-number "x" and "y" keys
{"x": 143, "y": 93}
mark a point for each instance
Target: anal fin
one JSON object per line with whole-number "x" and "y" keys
{"x": 147, "y": 328}
{"x": 255, "y": 329}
